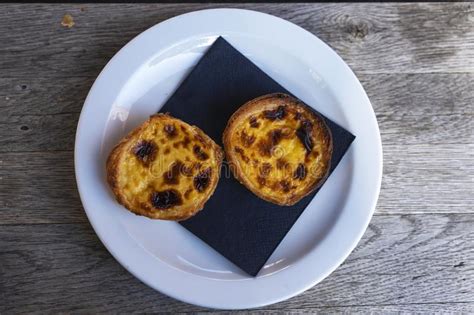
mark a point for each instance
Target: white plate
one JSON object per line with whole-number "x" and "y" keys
{"x": 137, "y": 82}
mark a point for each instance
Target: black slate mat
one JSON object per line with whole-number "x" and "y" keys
{"x": 242, "y": 227}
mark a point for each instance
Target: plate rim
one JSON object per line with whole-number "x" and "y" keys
{"x": 310, "y": 284}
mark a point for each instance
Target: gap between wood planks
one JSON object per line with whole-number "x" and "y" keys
{"x": 375, "y": 38}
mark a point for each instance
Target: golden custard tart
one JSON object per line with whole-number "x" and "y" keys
{"x": 164, "y": 169}
{"x": 278, "y": 148}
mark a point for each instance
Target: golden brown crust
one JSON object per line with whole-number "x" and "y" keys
{"x": 272, "y": 141}
{"x": 164, "y": 169}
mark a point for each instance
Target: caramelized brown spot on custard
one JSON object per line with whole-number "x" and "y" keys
{"x": 183, "y": 129}
{"x": 187, "y": 193}
{"x": 170, "y": 130}
{"x": 265, "y": 146}
{"x": 200, "y": 139}
{"x": 276, "y": 136}
{"x": 199, "y": 153}
{"x": 197, "y": 166}
{"x": 262, "y": 181}
{"x": 202, "y": 180}
{"x": 246, "y": 139}
{"x": 167, "y": 151}
{"x": 242, "y": 154}
{"x": 298, "y": 116}
{"x": 254, "y": 122}
{"x": 145, "y": 151}
{"x": 304, "y": 134}
{"x": 165, "y": 199}
{"x": 278, "y": 113}
{"x": 171, "y": 176}
{"x": 265, "y": 169}
{"x": 282, "y": 163}
{"x": 186, "y": 141}
{"x": 300, "y": 172}
{"x": 285, "y": 186}
{"x": 187, "y": 170}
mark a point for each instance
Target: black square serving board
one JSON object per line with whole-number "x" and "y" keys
{"x": 242, "y": 227}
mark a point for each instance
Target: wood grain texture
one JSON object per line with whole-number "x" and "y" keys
{"x": 402, "y": 262}
{"x": 39, "y": 187}
{"x": 416, "y": 62}
{"x": 423, "y": 108}
{"x": 427, "y": 179}
{"x": 411, "y": 109}
{"x": 372, "y": 38}
{"x": 418, "y": 308}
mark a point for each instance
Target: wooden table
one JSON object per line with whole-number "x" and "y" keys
{"x": 416, "y": 62}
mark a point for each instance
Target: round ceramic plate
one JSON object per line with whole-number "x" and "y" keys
{"x": 137, "y": 82}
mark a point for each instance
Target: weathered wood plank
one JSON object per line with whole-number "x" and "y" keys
{"x": 402, "y": 260}
{"x": 421, "y": 109}
{"x": 416, "y": 61}
{"x": 411, "y": 109}
{"x": 43, "y": 96}
{"x": 428, "y": 308}
{"x": 427, "y": 179}
{"x": 398, "y": 95}
{"x": 39, "y": 188}
{"x": 391, "y": 94}
{"x": 417, "y": 179}
{"x": 28, "y": 132}
{"x": 372, "y": 38}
